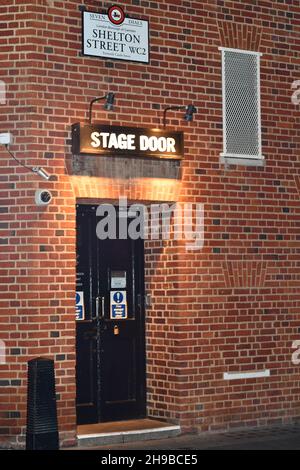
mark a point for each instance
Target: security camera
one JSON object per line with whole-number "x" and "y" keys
{"x": 43, "y": 197}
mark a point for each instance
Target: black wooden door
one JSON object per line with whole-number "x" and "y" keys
{"x": 110, "y": 325}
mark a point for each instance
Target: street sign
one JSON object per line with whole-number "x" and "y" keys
{"x": 113, "y": 36}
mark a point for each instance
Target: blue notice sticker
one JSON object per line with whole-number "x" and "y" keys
{"x": 118, "y": 305}
{"x": 79, "y": 306}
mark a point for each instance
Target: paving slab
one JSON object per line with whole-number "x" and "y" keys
{"x": 270, "y": 438}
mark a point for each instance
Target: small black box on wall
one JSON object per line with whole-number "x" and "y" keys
{"x": 42, "y": 426}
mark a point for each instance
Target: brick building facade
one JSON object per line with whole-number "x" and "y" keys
{"x": 232, "y": 306}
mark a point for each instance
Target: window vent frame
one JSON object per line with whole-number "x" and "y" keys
{"x": 239, "y": 158}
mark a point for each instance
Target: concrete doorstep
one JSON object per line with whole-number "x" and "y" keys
{"x": 146, "y": 430}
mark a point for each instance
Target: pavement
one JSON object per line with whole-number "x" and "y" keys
{"x": 270, "y": 438}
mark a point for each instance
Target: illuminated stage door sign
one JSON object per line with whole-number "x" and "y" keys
{"x": 126, "y": 41}
{"x": 97, "y": 139}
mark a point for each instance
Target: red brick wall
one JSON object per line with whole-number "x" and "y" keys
{"x": 234, "y": 305}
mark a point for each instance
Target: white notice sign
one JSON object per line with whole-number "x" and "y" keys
{"x": 127, "y": 41}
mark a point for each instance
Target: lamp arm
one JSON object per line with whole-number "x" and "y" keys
{"x": 169, "y": 108}
{"x": 91, "y": 106}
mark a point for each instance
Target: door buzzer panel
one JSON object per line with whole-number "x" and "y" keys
{"x": 118, "y": 295}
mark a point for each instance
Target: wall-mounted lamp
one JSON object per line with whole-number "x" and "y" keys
{"x": 109, "y": 104}
{"x": 190, "y": 110}
{"x": 36, "y": 169}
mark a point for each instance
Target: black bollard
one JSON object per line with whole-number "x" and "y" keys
{"x": 42, "y": 427}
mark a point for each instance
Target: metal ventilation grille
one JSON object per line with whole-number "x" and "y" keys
{"x": 241, "y": 104}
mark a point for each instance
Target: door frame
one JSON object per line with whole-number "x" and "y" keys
{"x": 141, "y": 333}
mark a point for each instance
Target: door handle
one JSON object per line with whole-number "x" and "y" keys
{"x": 102, "y": 307}
{"x": 96, "y": 315}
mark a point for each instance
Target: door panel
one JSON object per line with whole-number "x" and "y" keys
{"x": 120, "y": 385}
{"x": 86, "y": 337}
{"x": 110, "y": 352}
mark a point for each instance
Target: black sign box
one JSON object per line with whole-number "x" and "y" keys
{"x": 132, "y": 142}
